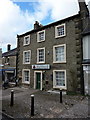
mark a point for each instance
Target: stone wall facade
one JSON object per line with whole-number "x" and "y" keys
{"x": 9, "y": 65}
{"x": 72, "y": 66}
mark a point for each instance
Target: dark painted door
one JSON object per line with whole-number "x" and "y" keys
{"x": 10, "y": 77}
{"x": 38, "y": 80}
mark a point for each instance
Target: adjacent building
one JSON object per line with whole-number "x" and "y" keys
{"x": 0, "y": 58}
{"x": 86, "y": 57}
{"x": 51, "y": 56}
{"x": 9, "y": 64}
{"x": 0, "y": 65}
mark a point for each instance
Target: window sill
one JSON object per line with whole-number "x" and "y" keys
{"x": 63, "y": 62}
{"x": 26, "y": 44}
{"x": 60, "y": 36}
{"x": 40, "y": 41}
{"x": 60, "y": 87}
{"x": 26, "y": 83}
{"x": 26, "y": 63}
{"x": 40, "y": 62}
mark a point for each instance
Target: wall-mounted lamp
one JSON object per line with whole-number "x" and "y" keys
{"x": 48, "y": 52}
{"x": 44, "y": 71}
{"x": 19, "y": 71}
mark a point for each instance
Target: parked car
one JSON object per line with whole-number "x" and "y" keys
{"x": 5, "y": 84}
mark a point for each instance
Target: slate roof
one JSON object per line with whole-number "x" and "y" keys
{"x": 12, "y": 52}
{"x": 51, "y": 24}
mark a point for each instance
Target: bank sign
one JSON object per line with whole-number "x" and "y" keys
{"x": 41, "y": 67}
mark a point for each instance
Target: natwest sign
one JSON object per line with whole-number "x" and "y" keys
{"x": 45, "y": 66}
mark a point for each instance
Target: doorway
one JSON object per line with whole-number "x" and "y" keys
{"x": 38, "y": 80}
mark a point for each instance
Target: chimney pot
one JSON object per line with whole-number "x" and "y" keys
{"x": 36, "y": 25}
{"x": 83, "y": 8}
{"x": 41, "y": 25}
{"x": 8, "y": 47}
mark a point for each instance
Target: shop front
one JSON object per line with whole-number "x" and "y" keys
{"x": 9, "y": 74}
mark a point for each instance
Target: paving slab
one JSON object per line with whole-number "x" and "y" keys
{"x": 47, "y": 105}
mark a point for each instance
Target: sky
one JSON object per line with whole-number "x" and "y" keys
{"x": 19, "y": 16}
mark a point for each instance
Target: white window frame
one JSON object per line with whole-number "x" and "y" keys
{"x": 38, "y": 55}
{"x": 54, "y": 56}
{"x": 38, "y": 40}
{"x": 24, "y": 57}
{"x": 54, "y": 80}
{"x": 23, "y": 78}
{"x": 24, "y": 43}
{"x": 56, "y": 31}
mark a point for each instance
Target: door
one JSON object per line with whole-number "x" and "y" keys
{"x": 38, "y": 80}
{"x": 10, "y": 77}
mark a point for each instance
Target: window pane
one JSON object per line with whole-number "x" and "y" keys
{"x": 26, "y": 75}
{"x": 60, "y": 78}
{"x": 60, "y": 30}
{"x": 59, "y": 52}
{"x": 41, "y": 36}
{"x": 26, "y": 40}
{"x": 26, "y": 57}
{"x": 41, "y": 55}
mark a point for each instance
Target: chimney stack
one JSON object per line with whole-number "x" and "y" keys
{"x": 8, "y": 47}
{"x": 36, "y": 25}
{"x": 83, "y": 8}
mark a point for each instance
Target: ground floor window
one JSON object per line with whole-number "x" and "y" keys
{"x": 59, "y": 79}
{"x": 26, "y": 76}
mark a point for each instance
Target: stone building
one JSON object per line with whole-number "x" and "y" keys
{"x": 50, "y": 56}
{"x": 9, "y": 63}
{"x": 86, "y": 57}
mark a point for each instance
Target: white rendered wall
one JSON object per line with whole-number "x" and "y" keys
{"x": 86, "y": 47}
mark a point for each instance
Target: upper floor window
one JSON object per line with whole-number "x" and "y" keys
{"x": 59, "y": 53}
{"x": 26, "y": 57}
{"x": 60, "y": 31}
{"x": 27, "y": 40}
{"x": 41, "y": 36}
{"x": 7, "y": 59}
{"x": 41, "y": 55}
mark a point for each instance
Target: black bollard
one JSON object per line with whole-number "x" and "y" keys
{"x": 12, "y": 98}
{"x": 60, "y": 96}
{"x": 32, "y": 105}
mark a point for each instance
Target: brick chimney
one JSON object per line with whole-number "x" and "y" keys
{"x": 36, "y": 25}
{"x": 8, "y": 47}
